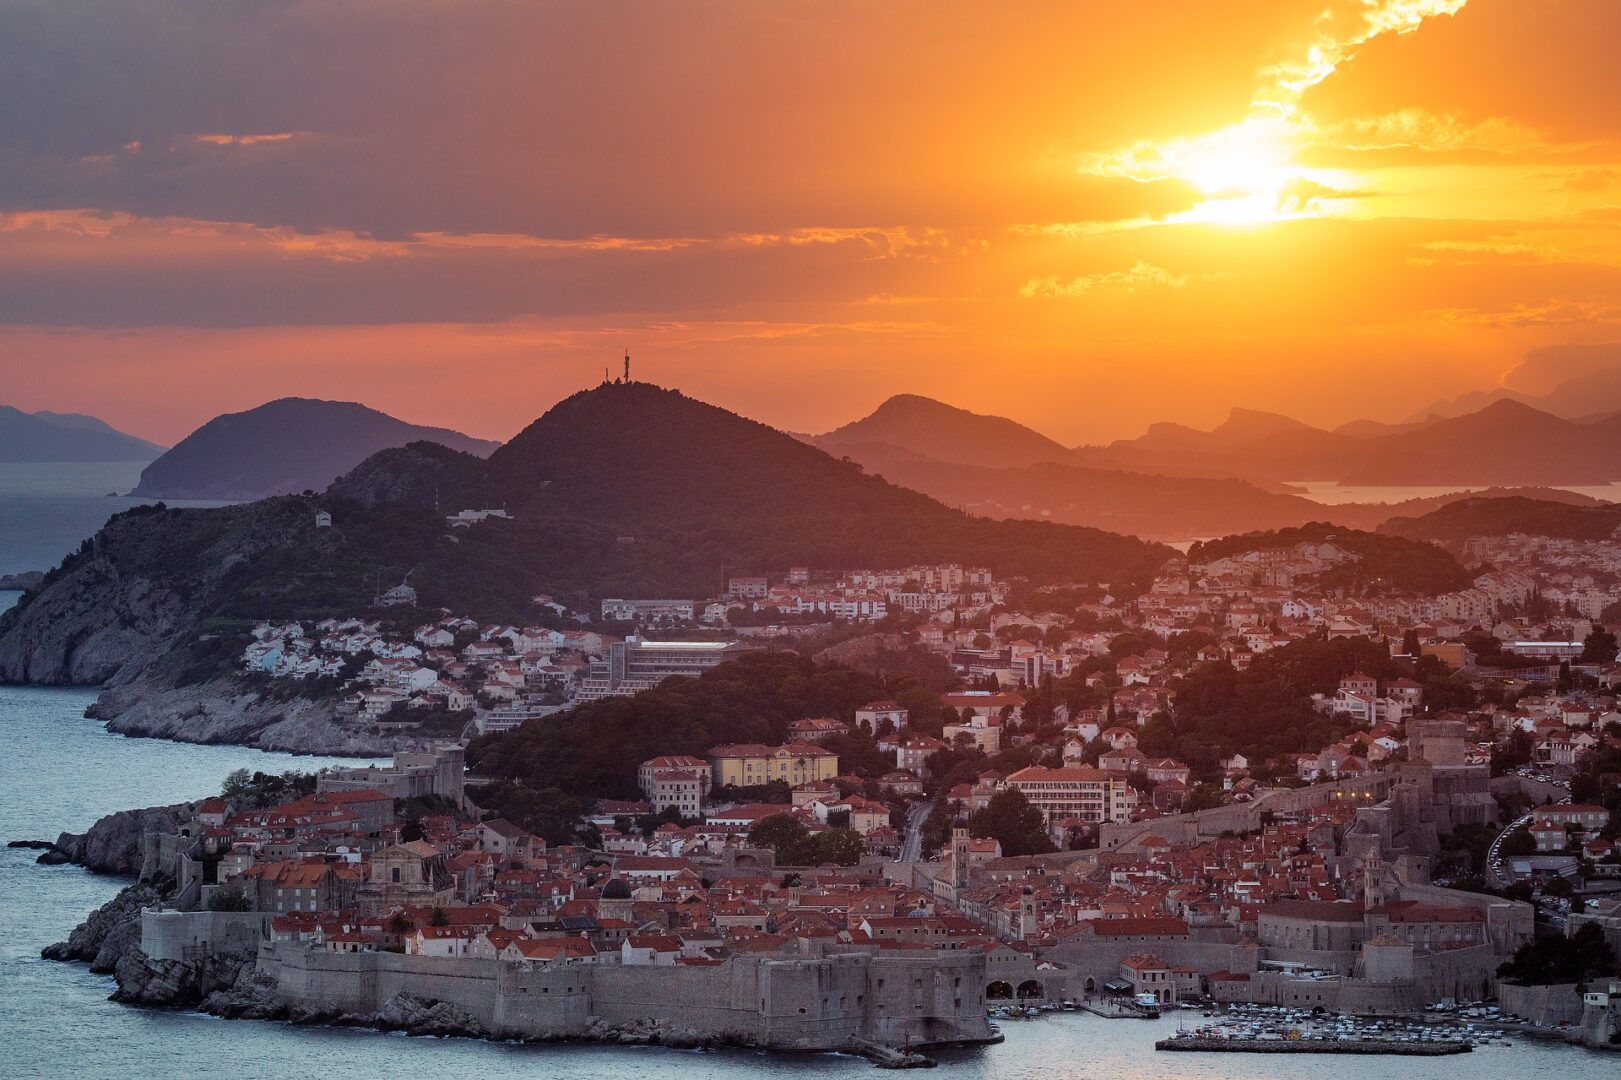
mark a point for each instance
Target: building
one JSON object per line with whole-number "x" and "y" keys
{"x": 986, "y": 703}
{"x": 634, "y": 665}
{"x": 412, "y": 874}
{"x": 752, "y": 764}
{"x": 1088, "y": 794}
{"x": 873, "y": 715}
{"x": 677, "y": 780}
{"x": 747, "y": 588}
{"x": 414, "y": 774}
{"x": 649, "y": 612}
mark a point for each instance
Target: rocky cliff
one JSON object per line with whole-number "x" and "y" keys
{"x": 124, "y": 843}
{"x": 137, "y": 611}
{"x": 108, "y": 934}
{"x": 224, "y": 711}
{"x": 126, "y": 597}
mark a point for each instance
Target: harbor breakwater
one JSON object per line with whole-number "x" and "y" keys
{"x": 1438, "y": 1048}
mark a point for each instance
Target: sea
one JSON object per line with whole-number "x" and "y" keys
{"x": 60, "y": 771}
{"x": 47, "y": 510}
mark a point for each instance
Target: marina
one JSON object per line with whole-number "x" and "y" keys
{"x": 1278, "y": 1029}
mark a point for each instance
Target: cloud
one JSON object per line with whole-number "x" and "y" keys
{"x": 1139, "y": 276}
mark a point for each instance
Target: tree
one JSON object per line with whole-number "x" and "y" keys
{"x": 1010, "y": 819}
{"x": 1600, "y": 646}
{"x": 439, "y": 917}
{"x": 778, "y": 832}
{"x": 229, "y": 900}
{"x": 236, "y": 785}
{"x": 1549, "y": 960}
{"x": 841, "y": 847}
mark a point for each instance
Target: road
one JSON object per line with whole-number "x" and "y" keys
{"x": 1495, "y": 876}
{"x": 912, "y": 846}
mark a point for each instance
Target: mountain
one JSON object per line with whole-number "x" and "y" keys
{"x": 943, "y": 432}
{"x": 48, "y": 436}
{"x": 622, "y": 490}
{"x": 1584, "y": 394}
{"x": 283, "y": 446}
{"x": 1166, "y": 508}
{"x": 1507, "y": 442}
{"x": 1501, "y": 516}
{"x": 1242, "y": 427}
{"x": 1256, "y": 446}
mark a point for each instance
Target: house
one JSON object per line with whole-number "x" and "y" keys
{"x": 984, "y": 732}
{"x": 986, "y": 703}
{"x": 649, "y": 950}
{"x": 1121, "y": 738}
{"x": 912, "y": 753}
{"x": 814, "y": 729}
{"x": 1550, "y": 836}
{"x": 875, "y": 715}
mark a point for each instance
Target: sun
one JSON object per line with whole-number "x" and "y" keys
{"x": 1248, "y": 172}
{"x": 1246, "y": 159}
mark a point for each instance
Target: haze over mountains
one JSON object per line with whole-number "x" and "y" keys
{"x": 66, "y": 437}
{"x": 284, "y": 446}
{"x": 1179, "y": 482}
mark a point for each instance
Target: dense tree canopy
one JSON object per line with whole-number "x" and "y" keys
{"x": 1011, "y": 820}
{"x": 593, "y": 749}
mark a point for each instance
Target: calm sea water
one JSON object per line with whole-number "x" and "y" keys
{"x": 60, "y": 771}
{"x": 46, "y": 510}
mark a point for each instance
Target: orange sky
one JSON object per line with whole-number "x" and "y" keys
{"x": 1084, "y": 215}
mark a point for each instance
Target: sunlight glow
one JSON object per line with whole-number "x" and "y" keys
{"x": 1249, "y": 171}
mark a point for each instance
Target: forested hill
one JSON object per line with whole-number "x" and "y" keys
{"x": 1501, "y": 516}
{"x": 704, "y": 488}
{"x": 623, "y": 490}
{"x": 1387, "y": 563}
{"x": 594, "y": 748}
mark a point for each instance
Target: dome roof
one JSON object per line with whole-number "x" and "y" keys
{"x": 616, "y": 889}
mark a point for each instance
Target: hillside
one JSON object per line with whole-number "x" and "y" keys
{"x": 1388, "y": 564}
{"x": 1501, "y": 516}
{"x": 1167, "y": 508}
{"x": 617, "y": 491}
{"x": 593, "y": 749}
{"x": 945, "y": 433}
{"x": 63, "y": 437}
{"x": 281, "y": 447}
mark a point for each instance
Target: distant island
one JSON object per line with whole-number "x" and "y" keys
{"x": 284, "y": 447}
{"x": 42, "y": 437}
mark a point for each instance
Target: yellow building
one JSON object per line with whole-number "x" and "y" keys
{"x": 751, "y": 764}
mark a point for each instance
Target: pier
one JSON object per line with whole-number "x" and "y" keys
{"x": 1216, "y": 1044}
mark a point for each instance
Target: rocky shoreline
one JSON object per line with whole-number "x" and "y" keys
{"x": 229, "y": 986}
{"x": 223, "y": 712}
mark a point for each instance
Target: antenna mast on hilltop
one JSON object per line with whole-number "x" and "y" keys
{"x": 627, "y": 365}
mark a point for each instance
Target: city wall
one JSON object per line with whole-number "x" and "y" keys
{"x": 1245, "y": 817}
{"x": 1547, "y": 1005}
{"x": 186, "y": 935}
{"x": 795, "y": 1004}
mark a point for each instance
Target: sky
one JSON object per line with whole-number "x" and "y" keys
{"x": 1085, "y": 215}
